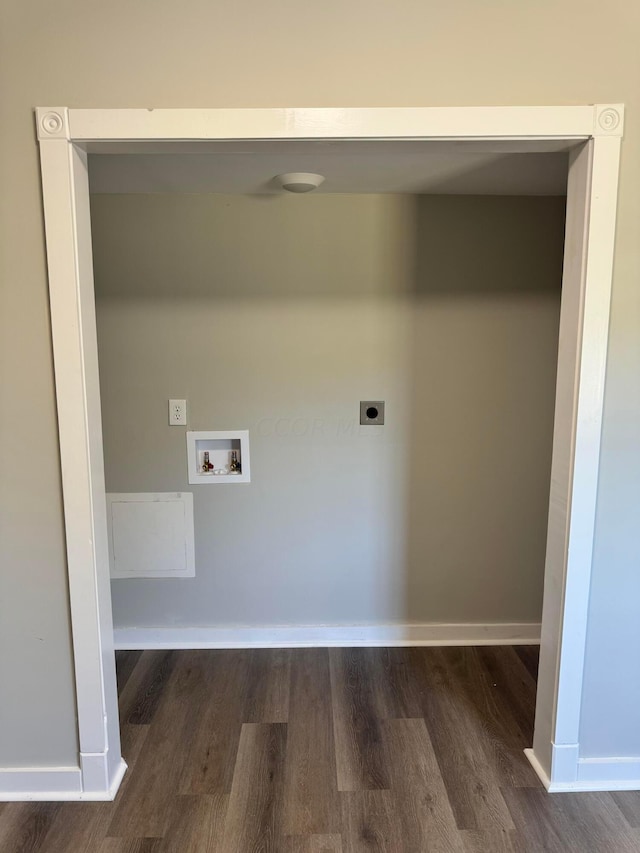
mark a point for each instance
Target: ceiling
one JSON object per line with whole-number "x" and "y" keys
{"x": 376, "y": 166}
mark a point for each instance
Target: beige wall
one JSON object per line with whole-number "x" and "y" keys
{"x": 168, "y": 54}
{"x": 279, "y": 314}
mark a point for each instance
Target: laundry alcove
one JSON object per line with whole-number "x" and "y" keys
{"x": 590, "y": 135}
{"x": 276, "y": 315}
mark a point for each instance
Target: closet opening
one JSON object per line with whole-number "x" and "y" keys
{"x": 330, "y": 419}
{"x": 385, "y": 348}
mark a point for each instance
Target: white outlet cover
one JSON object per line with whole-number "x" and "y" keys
{"x": 177, "y": 412}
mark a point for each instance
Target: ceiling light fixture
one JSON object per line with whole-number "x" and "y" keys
{"x": 299, "y": 182}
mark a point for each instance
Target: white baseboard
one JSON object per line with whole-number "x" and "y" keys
{"x": 116, "y": 781}
{"x": 564, "y": 764}
{"x": 100, "y": 781}
{"x": 294, "y": 636}
{"x": 40, "y": 783}
{"x": 49, "y": 784}
{"x": 615, "y": 774}
{"x": 592, "y": 774}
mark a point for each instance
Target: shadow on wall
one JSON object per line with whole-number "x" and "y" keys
{"x": 280, "y": 315}
{"x": 483, "y": 363}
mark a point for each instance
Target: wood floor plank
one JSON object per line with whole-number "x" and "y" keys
{"x": 199, "y": 781}
{"x": 514, "y": 686}
{"x": 311, "y": 844}
{"x": 269, "y": 678}
{"x": 129, "y": 845}
{"x": 253, "y": 822}
{"x": 132, "y": 740}
{"x": 588, "y": 822}
{"x": 151, "y": 689}
{"x": 598, "y": 820}
{"x": 361, "y": 758}
{"x": 143, "y": 812}
{"x": 421, "y": 799}
{"x": 629, "y": 804}
{"x": 458, "y": 739}
{"x": 530, "y": 657}
{"x": 24, "y": 826}
{"x": 394, "y": 677}
{"x": 370, "y": 822}
{"x": 491, "y": 841}
{"x": 126, "y": 661}
{"x": 311, "y": 801}
{"x": 488, "y": 682}
{"x": 195, "y": 823}
{"x": 144, "y": 688}
{"x": 535, "y": 817}
{"x": 78, "y": 828}
{"x": 224, "y": 678}
{"x": 220, "y": 805}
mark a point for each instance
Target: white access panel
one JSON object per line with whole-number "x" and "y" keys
{"x": 151, "y": 535}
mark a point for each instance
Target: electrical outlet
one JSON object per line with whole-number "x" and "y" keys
{"x": 372, "y": 412}
{"x": 177, "y": 412}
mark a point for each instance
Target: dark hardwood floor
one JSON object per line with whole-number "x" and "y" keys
{"x": 328, "y": 751}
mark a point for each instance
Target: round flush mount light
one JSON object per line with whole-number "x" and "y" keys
{"x": 299, "y": 182}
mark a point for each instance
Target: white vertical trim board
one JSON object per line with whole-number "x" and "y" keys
{"x": 596, "y": 296}
{"x": 575, "y": 251}
{"x": 65, "y": 137}
{"x": 584, "y": 324}
{"x": 71, "y": 295}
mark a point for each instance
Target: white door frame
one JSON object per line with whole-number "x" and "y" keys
{"x": 65, "y": 136}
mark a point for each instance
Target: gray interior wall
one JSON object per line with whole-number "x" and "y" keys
{"x": 249, "y": 55}
{"x": 278, "y": 315}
